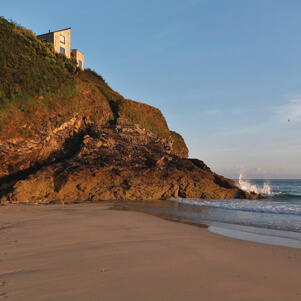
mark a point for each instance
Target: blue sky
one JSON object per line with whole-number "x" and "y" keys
{"x": 226, "y": 74}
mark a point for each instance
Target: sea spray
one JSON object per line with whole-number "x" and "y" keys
{"x": 247, "y": 186}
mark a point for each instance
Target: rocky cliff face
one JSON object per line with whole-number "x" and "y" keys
{"x": 66, "y": 136}
{"x": 81, "y": 161}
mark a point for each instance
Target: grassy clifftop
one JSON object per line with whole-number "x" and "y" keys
{"x": 28, "y": 66}
{"x": 41, "y": 89}
{"x": 131, "y": 112}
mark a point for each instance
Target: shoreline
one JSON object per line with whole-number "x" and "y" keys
{"x": 88, "y": 252}
{"x": 236, "y": 231}
{"x": 261, "y": 238}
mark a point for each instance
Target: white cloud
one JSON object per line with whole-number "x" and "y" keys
{"x": 290, "y": 111}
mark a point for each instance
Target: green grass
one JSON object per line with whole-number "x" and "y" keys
{"x": 133, "y": 112}
{"x": 38, "y": 85}
{"x": 179, "y": 146}
{"x": 130, "y": 111}
{"x": 30, "y": 67}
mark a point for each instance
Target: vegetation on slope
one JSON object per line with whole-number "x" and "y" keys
{"x": 30, "y": 68}
{"x": 179, "y": 146}
{"x": 131, "y": 112}
{"x": 41, "y": 89}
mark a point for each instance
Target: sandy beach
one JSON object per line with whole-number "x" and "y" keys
{"x": 87, "y": 252}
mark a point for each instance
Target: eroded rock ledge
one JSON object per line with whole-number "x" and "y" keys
{"x": 84, "y": 162}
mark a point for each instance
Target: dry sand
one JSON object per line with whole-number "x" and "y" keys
{"x": 86, "y": 252}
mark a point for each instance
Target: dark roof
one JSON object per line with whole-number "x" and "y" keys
{"x": 53, "y": 31}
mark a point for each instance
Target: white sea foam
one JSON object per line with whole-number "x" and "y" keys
{"x": 245, "y": 205}
{"x": 247, "y": 186}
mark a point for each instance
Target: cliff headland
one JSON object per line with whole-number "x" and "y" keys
{"x": 66, "y": 136}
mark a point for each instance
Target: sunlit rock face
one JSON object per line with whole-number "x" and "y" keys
{"x": 82, "y": 161}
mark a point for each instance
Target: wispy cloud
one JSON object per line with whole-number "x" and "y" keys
{"x": 257, "y": 172}
{"x": 211, "y": 112}
{"x": 290, "y": 111}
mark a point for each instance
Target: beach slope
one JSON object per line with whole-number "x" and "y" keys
{"x": 87, "y": 252}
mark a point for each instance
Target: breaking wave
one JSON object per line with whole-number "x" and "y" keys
{"x": 245, "y": 205}
{"x": 247, "y": 186}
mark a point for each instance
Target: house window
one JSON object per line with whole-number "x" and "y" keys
{"x": 80, "y": 64}
{"x": 62, "y": 39}
{"x": 62, "y": 50}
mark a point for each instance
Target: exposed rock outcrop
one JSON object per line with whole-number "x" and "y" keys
{"x": 81, "y": 161}
{"x": 67, "y": 136}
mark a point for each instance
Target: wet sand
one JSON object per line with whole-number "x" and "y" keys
{"x": 87, "y": 252}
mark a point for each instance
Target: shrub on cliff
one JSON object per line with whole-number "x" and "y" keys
{"x": 30, "y": 70}
{"x": 179, "y": 147}
{"x": 41, "y": 89}
{"x": 130, "y": 111}
{"x": 28, "y": 66}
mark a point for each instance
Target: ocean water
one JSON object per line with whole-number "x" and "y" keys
{"x": 273, "y": 219}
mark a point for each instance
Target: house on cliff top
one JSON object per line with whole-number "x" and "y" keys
{"x": 61, "y": 40}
